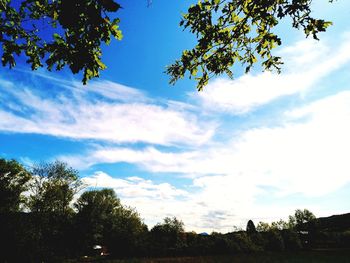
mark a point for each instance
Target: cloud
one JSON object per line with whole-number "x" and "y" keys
{"x": 306, "y": 63}
{"x": 305, "y": 154}
{"x": 132, "y": 187}
{"x": 114, "y": 91}
{"x": 149, "y": 158}
{"x": 103, "y": 111}
{"x": 307, "y": 147}
{"x": 228, "y": 169}
{"x": 154, "y": 201}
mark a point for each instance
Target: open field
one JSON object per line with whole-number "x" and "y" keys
{"x": 315, "y": 256}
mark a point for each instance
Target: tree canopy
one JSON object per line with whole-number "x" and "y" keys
{"x": 302, "y": 219}
{"x": 62, "y": 33}
{"x": 168, "y": 234}
{"x": 53, "y": 187}
{"x": 102, "y": 219}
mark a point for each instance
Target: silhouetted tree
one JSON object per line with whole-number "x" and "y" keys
{"x": 14, "y": 180}
{"x": 51, "y": 192}
{"x": 302, "y": 219}
{"x": 251, "y": 227}
{"x": 95, "y": 210}
{"x": 168, "y": 236}
{"x": 305, "y": 223}
{"x": 102, "y": 220}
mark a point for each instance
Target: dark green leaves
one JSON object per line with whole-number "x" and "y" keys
{"x": 78, "y": 30}
{"x": 228, "y": 32}
{"x": 13, "y": 183}
{"x": 238, "y": 31}
{"x": 53, "y": 188}
{"x": 110, "y": 5}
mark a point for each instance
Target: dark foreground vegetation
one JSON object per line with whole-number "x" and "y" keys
{"x": 41, "y": 222}
{"x": 318, "y": 256}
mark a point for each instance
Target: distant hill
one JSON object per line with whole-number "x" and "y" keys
{"x": 334, "y": 223}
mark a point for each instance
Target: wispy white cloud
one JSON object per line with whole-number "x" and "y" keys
{"x": 306, "y": 154}
{"x": 149, "y": 158}
{"x": 153, "y": 201}
{"x": 120, "y": 115}
{"x": 199, "y": 209}
{"x": 310, "y": 145}
{"x": 134, "y": 187}
{"x": 113, "y": 91}
{"x": 306, "y": 63}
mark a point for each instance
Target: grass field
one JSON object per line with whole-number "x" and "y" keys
{"x": 315, "y": 256}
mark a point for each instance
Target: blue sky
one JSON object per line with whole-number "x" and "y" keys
{"x": 256, "y": 147}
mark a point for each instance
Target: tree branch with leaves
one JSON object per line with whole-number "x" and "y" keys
{"x": 58, "y": 33}
{"x": 238, "y": 31}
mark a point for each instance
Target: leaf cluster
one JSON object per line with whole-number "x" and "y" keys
{"x": 58, "y": 33}
{"x": 238, "y": 31}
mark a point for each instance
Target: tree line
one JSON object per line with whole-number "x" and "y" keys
{"x": 46, "y": 215}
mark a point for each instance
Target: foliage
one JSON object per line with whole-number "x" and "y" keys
{"x": 54, "y": 232}
{"x": 302, "y": 219}
{"x": 238, "y": 31}
{"x": 250, "y": 227}
{"x": 58, "y": 33}
{"x": 95, "y": 210}
{"x": 13, "y": 183}
{"x": 291, "y": 239}
{"x": 53, "y": 188}
{"x": 275, "y": 241}
{"x": 263, "y": 227}
{"x": 101, "y": 219}
{"x": 128, "y": 233}
{"x": 278, "y": 236}
{"x": 70, "y": 33}
{"x": 169, "y": 234}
